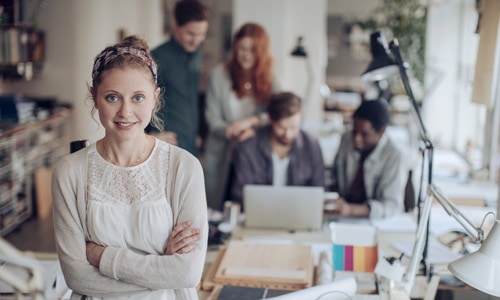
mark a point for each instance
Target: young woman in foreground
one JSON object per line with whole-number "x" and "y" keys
{"x": 130, "y": 211}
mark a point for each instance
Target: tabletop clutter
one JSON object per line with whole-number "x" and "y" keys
{"x": 289, "y": 271}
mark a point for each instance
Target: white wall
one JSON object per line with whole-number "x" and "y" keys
{"x": 352, "y": 9}
{"x": 450, "y": 116}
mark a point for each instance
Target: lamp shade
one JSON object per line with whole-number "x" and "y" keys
{"x": 382, "y": 65}
{"x": 299, "y": 49}
{"x": 481, "y": 269}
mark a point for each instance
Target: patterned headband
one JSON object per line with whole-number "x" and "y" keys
{"x": 108, "y": 55}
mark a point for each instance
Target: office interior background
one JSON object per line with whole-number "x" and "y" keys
{"x": 462, "y": 127}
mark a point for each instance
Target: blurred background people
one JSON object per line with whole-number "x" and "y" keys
{"x": 179, "y": 68}
{"x": 280, "y": 153}
{"x": 368, "y": 171}
{"x": 237, "y": 95}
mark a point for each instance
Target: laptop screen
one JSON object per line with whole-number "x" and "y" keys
{"x": 283, "y": 207}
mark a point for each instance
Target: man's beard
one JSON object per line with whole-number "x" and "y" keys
{"x": 283, "y": 142}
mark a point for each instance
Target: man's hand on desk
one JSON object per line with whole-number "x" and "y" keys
{"x": 342, "y": 208}
{"x": 329, "y": 206}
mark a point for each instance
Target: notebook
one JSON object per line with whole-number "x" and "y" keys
{"x": 283, "y": 207}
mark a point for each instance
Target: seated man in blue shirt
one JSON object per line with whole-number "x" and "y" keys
{"x": 368, "y": 171}
{"x": 280, "y": 153}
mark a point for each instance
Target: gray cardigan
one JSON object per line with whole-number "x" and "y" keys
{"x": 218, "y": 153}
{"x": 136, "y": 272}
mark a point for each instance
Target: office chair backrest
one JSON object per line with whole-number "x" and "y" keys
{"x": 77, "y": 145}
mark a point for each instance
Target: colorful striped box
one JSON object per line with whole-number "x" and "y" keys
{"x": 354, "y": 247}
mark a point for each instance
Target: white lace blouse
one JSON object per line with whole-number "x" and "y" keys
{"x": 128, "y": 206}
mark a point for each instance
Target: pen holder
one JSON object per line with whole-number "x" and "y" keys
{"x": 354, "y": 247}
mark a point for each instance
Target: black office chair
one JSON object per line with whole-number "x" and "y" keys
{"x": 77, "y": 145}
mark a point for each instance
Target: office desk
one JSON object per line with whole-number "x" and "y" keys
{"x": 323, "y": 237}
{"x": 242, "y": 233}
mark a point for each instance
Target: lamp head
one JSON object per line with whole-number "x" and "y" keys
{"x": 481, "y": 269}
{"x": 299, "y": 49}
{"x": 382, "y": 65}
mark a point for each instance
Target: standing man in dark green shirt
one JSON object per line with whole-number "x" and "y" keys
{"x": 179, "y": 68}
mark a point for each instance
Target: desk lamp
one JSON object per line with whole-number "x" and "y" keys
{"x": 480, "y": 269}
{"x": 299, "y": 51}
{"x": 382, "y": 65}
{"x": 388, "y": 62}
{"x": 22, "y": 273}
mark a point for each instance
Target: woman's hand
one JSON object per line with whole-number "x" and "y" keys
{"x": 246, "y": 134}
{"x": 236, "y": 128}
{"x": 183, "y": 239}
{"x": 94, "y": 253}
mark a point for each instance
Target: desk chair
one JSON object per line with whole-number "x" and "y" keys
{"x": 77, "y": 145}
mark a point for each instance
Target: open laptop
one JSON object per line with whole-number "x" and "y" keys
{"x": 283, "y": 207}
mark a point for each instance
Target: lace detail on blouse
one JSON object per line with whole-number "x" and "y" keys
{"x": 127, "y": 185}
{"x": 129, "y": 207}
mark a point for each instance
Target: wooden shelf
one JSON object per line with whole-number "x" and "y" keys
{"x": 24, "y": 151}
{"x": 22, "y": 50}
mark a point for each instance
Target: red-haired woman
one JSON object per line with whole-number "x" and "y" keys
{"x": 236, "y": 100}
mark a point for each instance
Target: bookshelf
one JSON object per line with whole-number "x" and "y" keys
{"x": 21, "y": 43}
{"x": 24, "y": 150}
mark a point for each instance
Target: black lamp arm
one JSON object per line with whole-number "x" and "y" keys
{"x": 394, "y": 47}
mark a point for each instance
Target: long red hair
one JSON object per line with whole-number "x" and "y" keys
{"x": 261, "y": 73}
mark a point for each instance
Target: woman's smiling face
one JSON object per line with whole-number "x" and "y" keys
{"x": 125, "y": 99}
{"x": 245, "y": 53}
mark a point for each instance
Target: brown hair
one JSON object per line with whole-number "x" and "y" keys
{"x": 283, "y": 105}
{"x": 186, "y": 11}
{"x": 261, "y": 77}
{"x": 131, "y": 52}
